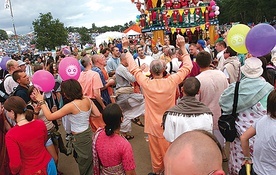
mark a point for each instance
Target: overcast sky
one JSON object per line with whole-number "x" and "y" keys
{"x": 76, "y": 13}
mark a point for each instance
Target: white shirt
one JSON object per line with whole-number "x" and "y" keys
{"x": 10, "y": 84}
{"x": 221, "y": 60}
{"x": 175, "y": 66}
{"x": 177, "y": 124}
{"x": 144, "y": 62}
{"x": 156, "y": 56}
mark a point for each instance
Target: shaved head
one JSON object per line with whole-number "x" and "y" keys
{"x": 95, "y": 58}
{"x": 156, "y": 67}
{"x": 85, "y": 61}
{"x": 195, "y": 152}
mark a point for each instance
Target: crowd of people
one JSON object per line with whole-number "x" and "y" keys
{"x": 176, "y": 92}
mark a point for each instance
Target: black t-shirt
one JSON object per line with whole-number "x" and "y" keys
{"x": 23, "y": 93}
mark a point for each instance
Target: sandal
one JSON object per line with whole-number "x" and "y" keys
{"x": 128, "y": 137}
{"x": 137, "y": 122}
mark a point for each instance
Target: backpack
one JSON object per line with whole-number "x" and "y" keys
{"x": 226, "y": 123}
{"x": 271, "y": 73}
{"x": 3, "y": 93}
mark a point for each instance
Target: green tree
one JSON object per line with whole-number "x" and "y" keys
{"x": 3, "y": 35}
{"x": 72, "y": 29}
{"x": 49, "y": 32}
{"x": 246, "y": 11}
{"x": 94, "y": 27}
{"x": 85, "y": 36}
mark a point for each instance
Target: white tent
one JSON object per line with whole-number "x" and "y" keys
{"x": 108, "y": 36}
{"x": 9, "y": 33}
{"x": 132, "y": 32}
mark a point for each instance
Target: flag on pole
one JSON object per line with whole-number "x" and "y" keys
{"x": 7, "y": 4}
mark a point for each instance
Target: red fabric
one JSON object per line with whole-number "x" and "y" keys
{"x": 113, "y": 150}
{"x": 4, "y": 160}
{"x": 26, "y": 148}
{"x": 195, "y": 70}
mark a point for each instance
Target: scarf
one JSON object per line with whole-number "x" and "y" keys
{"x": 251, "y": 91}
{"x": 96, "y": 160}
{"x": 189, "y": 105}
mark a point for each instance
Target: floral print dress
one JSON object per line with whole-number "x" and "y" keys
{"x": 245, "y": 120}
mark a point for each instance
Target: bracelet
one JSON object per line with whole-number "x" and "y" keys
{"x": 42, "y": 102}
{"x": 247, "y": 158}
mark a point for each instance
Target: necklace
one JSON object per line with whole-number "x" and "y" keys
{"x": 21, "y": 120}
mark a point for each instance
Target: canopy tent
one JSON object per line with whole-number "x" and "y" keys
{"x": 107, "y": 36}
{"x": 134, "y": 27}
{"x": 132, "y": 33}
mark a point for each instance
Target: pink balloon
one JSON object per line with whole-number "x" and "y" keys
{"x": 212, "y": 3}
{"x": 43, "y": 80}
{"x": 211, "y": 15}
{"x": 69, "y": 68}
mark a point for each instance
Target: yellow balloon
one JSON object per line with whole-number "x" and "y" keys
{"x": 236, "y": 38}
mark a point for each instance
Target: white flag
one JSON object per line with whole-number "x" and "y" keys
{"x": 7, "y": 4}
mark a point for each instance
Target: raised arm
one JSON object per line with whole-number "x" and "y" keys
{"x": 187, "y": 64}
{"x": 132, "y": 66}
{"x": 66, "y": 109}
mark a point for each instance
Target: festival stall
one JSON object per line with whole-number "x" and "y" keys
{"x": 186, "y": 17}
{"x": 132, "y": 33}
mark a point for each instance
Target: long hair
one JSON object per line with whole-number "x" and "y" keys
{"x": 271, "y": 100}
{"x": 112, "y": 116}
{"x": 71, "y": 90}
{"x": 18, "y": 106}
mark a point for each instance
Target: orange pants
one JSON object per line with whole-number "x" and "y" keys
{"x": 158, "y": 148}
{"x": 96, "y": 122}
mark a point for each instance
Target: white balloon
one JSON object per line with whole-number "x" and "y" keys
{"x": 217, "y": 8}
{"x": 217, "y": 13}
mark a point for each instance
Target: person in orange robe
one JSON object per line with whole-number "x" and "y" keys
{"x": 159, "y": 93}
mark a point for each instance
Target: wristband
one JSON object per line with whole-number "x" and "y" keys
{"x": 247, "y": 158}
{"x": 42, "y": 102}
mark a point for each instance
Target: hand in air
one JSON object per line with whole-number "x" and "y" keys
{"x": 38, "y": 95}
{"x": 180, "y": 41}
{"x": 125, "y": 42}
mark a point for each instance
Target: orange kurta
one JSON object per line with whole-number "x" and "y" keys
{"x": 90, "y": 80}
{"x": 159, "y": 96}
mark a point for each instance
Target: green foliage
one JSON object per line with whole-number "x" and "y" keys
{"x": 3, "y": 35}
{"x": 49, "y": 32}
{"x": 84, "y": 34}
{"x": 246, "y": 11}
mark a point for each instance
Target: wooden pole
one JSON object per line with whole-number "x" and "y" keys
{"x": 16, "y": 37}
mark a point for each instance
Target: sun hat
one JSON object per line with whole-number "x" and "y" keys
{"x": 252, "y": 67}
{"x": 20, "y": 63}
